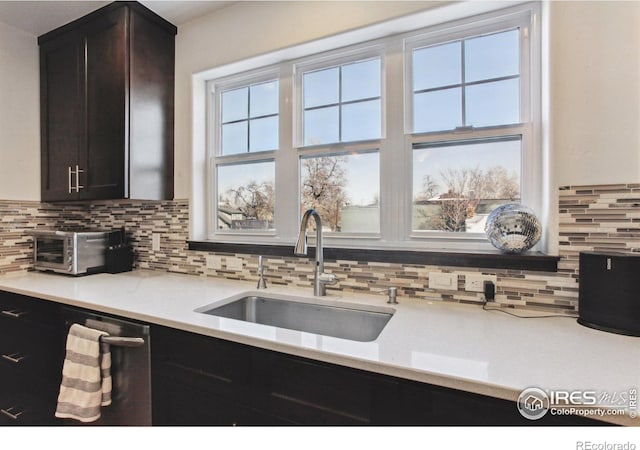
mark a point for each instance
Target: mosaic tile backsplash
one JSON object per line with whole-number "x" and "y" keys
{"x": 602, "y": 218}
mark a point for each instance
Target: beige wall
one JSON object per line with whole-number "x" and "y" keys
{"x": 19, "y": 115}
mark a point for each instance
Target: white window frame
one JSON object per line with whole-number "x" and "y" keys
{"x": 334, "y": 58}
{"x": 216, "y": 158}
{"x": 396, "y": 143}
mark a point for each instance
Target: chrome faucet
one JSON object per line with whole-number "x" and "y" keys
{"x": 320, "y": 278}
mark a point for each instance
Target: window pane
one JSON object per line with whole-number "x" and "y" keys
{"x": 246, "y": 196}
{"x": 455, "y": 187}
{"x": 344, "y": 189}
{"x": 235, "y": 105}
{"x": 264, "y": 99}
{"x": 264, "y": 134}
{"x": 361, "y": 121}
{"x": 493, "y": 56}
{"x": 321, "y": 87}
{"x": 493, "y": 103}
{"x": 321, "y": 126}
{"x": 361, "y": 80}
{"x": 234, "y": 138}
{"x": 437, "y": 66}
{"x": 437, "y": 110}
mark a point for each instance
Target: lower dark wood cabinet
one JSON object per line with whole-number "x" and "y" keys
{"x": 199, "y": 380}
{"x": 31, "y": 354}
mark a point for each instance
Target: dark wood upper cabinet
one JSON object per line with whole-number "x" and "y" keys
{"x": 107, "y": 89}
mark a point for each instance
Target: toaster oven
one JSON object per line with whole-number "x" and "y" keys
{"x": 70, "y": 252}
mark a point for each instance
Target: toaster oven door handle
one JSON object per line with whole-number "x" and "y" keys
{"x": 123, "y": 341}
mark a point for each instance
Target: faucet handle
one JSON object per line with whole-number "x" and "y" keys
{"x": 262, "y": 284}
{"x": 393, "y": 294}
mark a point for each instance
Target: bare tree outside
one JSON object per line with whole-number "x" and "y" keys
{"x": 254, "y": 201}
{"x": 465, "y": 188}
{"x": 323, "y": 187}
{"x": 430, "y": 188}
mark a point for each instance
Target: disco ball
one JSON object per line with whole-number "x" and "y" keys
{"x": 513, "y": 228}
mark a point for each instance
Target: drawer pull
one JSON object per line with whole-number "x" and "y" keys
{"x": 13, "y": 413}
{"x": 15, "y": 313}
{"x": 14, "y": 357}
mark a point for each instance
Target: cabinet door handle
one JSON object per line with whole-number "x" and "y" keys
{"x": 13, "y": 413}
{"x": 78, "y": 172}
{"x": 70, "y": 172}
{"x": 15, "y": 358}
{"x": 15, "y": 313}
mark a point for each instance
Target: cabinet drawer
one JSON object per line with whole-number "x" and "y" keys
{"x": 29, "y": 311}
{"x": 31, "y": 352}
{"x": 182, "y": 402}
{"x": 220, "y": 361}
{"x": 313, "y": 393}
{"x": 25, "y": 400}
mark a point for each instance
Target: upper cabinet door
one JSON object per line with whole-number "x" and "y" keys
{"x": 62, "y": 116}
{"x": 107, "y": 86}
{"x": 106, "y": 74}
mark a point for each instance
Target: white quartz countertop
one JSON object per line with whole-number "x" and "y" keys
{"x": 451, "y": 345}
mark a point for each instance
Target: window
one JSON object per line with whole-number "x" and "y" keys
{"x": 471, "y": 82}
{"x": 469, "y": 127}
{"x": 342, "y": 103}
{"x": 340, "y": 115}
{"x": 247, "y": 125}
{"x": 457, "y": 184}
{"x": 408, "y": 141}
{"x": 249, "y": 118}
{"x": 344, "y": 190}
{"x": 246, "y": 196}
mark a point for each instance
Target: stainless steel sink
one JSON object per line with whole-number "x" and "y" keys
{"x": 344, "y": 321}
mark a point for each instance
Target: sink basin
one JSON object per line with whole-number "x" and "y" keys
{"x": 343, "y": 321}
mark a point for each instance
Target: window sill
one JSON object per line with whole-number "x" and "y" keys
{"x": 533, "y": 261}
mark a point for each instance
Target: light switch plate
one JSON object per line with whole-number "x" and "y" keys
{"x": 440, "y": 280}
{"x": 155, "y": 242}
{"x": 234, "y": 264}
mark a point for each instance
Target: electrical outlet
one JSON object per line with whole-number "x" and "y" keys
{"x": 214, "y": 262}
{"x": 234, "y": 264}
{"x": 475, "y": 282}
{"x": 155, "y": 242}
{"x": 440, "y": 280}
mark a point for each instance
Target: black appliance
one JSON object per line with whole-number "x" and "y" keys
{"x": 609, "y": 294}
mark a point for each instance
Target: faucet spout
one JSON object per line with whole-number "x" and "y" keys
{"x": 320, "y": 278}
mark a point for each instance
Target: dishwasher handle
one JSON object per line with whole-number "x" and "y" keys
{"x": 123, "y": 341}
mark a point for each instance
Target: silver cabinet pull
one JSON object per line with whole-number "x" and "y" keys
{"x": 78, "y": 172}
{"x": 15, "y": 313}
{"x": 13, "y": 413}
{"x": 70, "y": 173}
{"x": 122, "y": 341}
{"x": 14, "y": 357}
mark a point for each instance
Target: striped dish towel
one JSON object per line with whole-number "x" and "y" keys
{"x": 86, "y": 375}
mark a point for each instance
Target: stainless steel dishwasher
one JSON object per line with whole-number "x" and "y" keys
{"x": 130, "y": 367}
